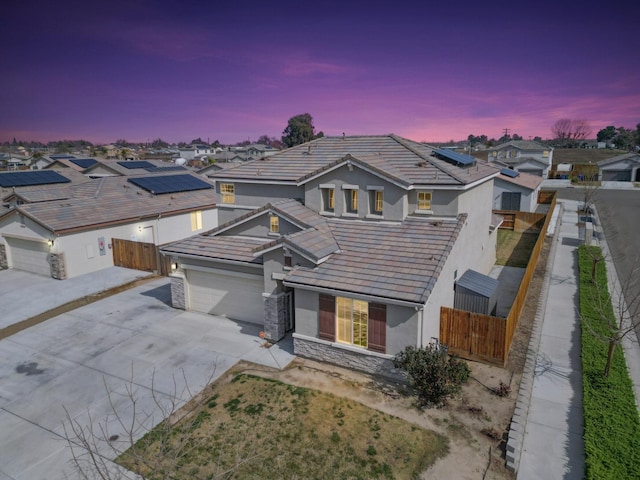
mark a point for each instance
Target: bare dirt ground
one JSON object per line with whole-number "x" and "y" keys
{"x": 476, "y": 424}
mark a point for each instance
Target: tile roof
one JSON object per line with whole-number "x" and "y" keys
{"x": 629, "y": 157}
{"x": 400, "y": 159}
{"x": 235, "y": 248}
{"x": 40, "y": 192}
{"x": 396, "y": 261}
{"x": 400, "y": 262}
{"x": 111, "y": 200}
{"x": 524, "y": 179}
{"x": 522, "y": 145}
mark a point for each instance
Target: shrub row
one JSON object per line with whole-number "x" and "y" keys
{"x": 611, "y": 421}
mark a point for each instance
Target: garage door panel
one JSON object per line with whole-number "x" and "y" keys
{"x": 616, "y": 175}
{"x": 235, "y": 297}
{"x": 30, "y": 256}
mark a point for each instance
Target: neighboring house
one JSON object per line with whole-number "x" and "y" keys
{"x": 513, "y": 190}
{"x": 524, "y": 156}
{"x": 111, "y": 168}
{"x": 66, "y": 231}
{"x": 195, "y": 151}
{"x": 255, "y": 151}
{"x": 621, "y": 168}
{"x": 352, "y": 243}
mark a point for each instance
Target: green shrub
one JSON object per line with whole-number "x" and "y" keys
{"x": 434, "y": 374}
{"x": 611, "y": 421}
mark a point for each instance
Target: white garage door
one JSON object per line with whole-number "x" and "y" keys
{"x": 239, "y": 298}
{"x": 29, "y": 256}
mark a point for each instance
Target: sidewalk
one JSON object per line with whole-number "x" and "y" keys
{"x": 551, "y": 420}
{"x": 552, "y": 445}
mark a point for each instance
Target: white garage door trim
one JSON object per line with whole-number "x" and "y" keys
{"x": 227, "y": 295}
{"x": 29, "y": 255}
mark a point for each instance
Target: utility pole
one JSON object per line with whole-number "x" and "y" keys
{"x": 506, "y": 132}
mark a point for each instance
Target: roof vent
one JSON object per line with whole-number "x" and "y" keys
{"x": 421, "y": 164}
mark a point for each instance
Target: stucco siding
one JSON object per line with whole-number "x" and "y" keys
{"x": 393, "y": 195}
{"x": 528, "y": 198}
{"x": 256, "y": 195}
{"x": 260, "y": 227}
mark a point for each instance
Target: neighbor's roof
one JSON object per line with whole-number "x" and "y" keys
{"x": 392, "y": 261}
{"x": 524, "y": 179}
{"x": 522, "y": 145}
{"x": 631, "y": 158}
{"x": 399, "y": 159}
{"x": 43, "y": 191}
{"x": 111, "y": 200}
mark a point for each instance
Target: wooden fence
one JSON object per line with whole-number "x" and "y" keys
{"x": 140, "y": 256}
{"x": 483, "y": 337}
{"x": 521, "y": 221}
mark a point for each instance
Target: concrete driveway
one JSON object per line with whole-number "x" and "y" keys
{"x": 72, "y": 360}
{"x": 24, "y": 295}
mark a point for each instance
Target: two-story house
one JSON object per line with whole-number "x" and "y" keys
{"x": 524, "y": 156}
{"x": 354, "y": 243}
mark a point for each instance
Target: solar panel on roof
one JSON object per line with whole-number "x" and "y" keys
{"x": 171, "y": 168}
{"x": 170, "y": 183}
{"x": 83, "y": 162}
{"x": 24, "y": 179}
{"x": 457, "y": 158}
{"x": 137, "y": 164}
{"x": 509, "y": 173}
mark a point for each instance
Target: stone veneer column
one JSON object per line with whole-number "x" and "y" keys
{"x": 58, "y": 266}
{"x": 275, "y": 316}
{"x": 177, "y": 292}
{"x": 3, "y": 257}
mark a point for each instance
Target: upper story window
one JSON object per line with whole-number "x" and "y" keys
{"x": 196, "y": 221}
{"x": 545, "y": 153}
{"x": 328, "y": 198}
{"x": 228, "y": 192}
{"x": 376, "y": 200}
{"x": 274, "y": 224}
{"x": 351, "y": 198}
{"x": 424, "y": 200}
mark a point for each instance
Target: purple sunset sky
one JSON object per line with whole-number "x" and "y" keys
{"x": 237, "y": 70}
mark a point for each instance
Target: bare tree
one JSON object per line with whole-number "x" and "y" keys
{"x": 614, "y": 309}
{"x": 571, "y": 131}
{"x": 148, "y": 431}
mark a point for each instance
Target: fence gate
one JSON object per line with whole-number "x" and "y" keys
{"x": 135, "y": 255}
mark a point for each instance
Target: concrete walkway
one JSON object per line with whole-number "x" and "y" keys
{"x": 552, "y": 446}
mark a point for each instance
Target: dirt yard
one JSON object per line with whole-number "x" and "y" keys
{"x": 476, "y": 424}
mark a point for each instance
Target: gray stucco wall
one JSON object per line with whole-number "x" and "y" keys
{"x": 402, "y": 322}
{"x": 444, "y": 203}
{"x": 528, "y": 198}
{"x": 393, "y": 196}
{"x": 253, "y": 195}
{"x": 260, "y": 227}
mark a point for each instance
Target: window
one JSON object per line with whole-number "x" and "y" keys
{"x": 545, "y": 154}
{"x": 329, "y": 199}
{"x": 424, "y": 200}
{"x": 196, "y": 221}
{"x": 377, "y": 201}
{"x": 352, "y": 322}
{"x": 274, "y": 224}
{"x": 288, "y": 260}
{"x": 228, "y": 193}
{"x": 351, "y": 200}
